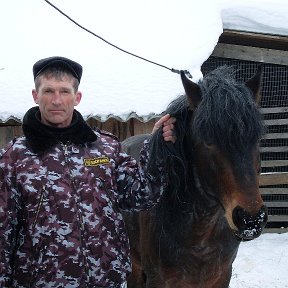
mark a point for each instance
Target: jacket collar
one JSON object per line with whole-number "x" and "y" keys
{"x": 41, "y": 137}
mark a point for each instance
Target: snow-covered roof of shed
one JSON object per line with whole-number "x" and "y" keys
{"x": 177, "y": 34}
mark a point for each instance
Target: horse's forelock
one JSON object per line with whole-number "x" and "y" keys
{"x": 227, "y": 116}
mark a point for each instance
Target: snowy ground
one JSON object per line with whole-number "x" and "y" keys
{"x": 262, "y": 263}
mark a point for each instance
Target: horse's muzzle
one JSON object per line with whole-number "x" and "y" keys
{"x": 249, "y": 226}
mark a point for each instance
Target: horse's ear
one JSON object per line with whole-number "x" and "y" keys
{"x": 254, "y": 83}
{"x": 192, "y": 90}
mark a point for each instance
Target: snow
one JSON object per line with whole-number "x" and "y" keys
{"x": 178, "y": 34}
{"x": 262, "y": 16}
{"x": 262, "y": 263}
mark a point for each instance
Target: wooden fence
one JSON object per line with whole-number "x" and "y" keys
{"x": 274, "y": 182}
{"x": 122, "y": 130}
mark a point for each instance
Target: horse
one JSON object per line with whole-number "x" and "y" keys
{"x": 212, "y": 200}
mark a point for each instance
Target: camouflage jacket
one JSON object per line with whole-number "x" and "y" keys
{"x": 60, "y": 212}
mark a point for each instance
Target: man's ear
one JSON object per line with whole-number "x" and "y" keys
{"x": 35, "y": 96}
{"x": 78, "y": 98}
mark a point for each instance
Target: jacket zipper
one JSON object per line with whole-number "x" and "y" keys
{"x": 66, "y": 155}
{"x": 81, "y": 222}
{"x": 66, "y": 152}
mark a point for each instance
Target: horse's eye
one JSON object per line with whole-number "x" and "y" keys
{"x": 208, "y": 145}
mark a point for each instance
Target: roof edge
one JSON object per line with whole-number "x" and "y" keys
{"x": 254, "y": 39}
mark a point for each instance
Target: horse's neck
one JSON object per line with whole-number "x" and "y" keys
{"x": 190, "y": 206}
{"x": 201, "y": 209}
{"x": 189, "y": 221}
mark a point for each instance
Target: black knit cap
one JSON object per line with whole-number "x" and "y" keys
{"x": 57, "y": 61}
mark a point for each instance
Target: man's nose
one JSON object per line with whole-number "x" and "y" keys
{"x": 56, "y": 98}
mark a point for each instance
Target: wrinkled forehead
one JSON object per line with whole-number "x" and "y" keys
{"x": 56, "y": 77}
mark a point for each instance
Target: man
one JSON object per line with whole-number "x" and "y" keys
{"x": 62, "y": 189}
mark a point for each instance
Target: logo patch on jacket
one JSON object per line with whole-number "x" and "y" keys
{"x": 96, "y": 161}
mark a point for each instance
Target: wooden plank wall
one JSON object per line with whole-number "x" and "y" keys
{"x": 124, "y": 130}
{"x": 8, "y": 132}
{"x": 120, "y": 129}
{"x": 274, "y": 185}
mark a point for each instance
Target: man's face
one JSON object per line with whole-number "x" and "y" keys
{"x": 56, "y": 99}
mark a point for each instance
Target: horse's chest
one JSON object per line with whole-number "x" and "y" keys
{"x": 209, "y": 271}
{"x": 201, "y": 266}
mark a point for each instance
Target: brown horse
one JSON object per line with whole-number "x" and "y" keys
{"x": 212, "y": 200}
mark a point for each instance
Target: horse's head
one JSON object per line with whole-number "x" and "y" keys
{"x": 226, "y": 128}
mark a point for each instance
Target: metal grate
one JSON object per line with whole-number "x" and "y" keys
{"x": 278, "y": 211}
{"x": 275, "y": 197}
{"x": 275, "y": 78}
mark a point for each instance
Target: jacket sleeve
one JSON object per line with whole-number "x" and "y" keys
{"x": 8, "y": 227}
{"x": 137, "y": 189}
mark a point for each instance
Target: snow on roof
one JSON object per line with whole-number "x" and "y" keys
{"x": 177, "y": 34}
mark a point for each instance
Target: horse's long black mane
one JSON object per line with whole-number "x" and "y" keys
{"x": 227, "y": 117}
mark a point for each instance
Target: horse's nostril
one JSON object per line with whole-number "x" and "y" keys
{"x": 249, "y": 226}
{"x": 239, "y": 217}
